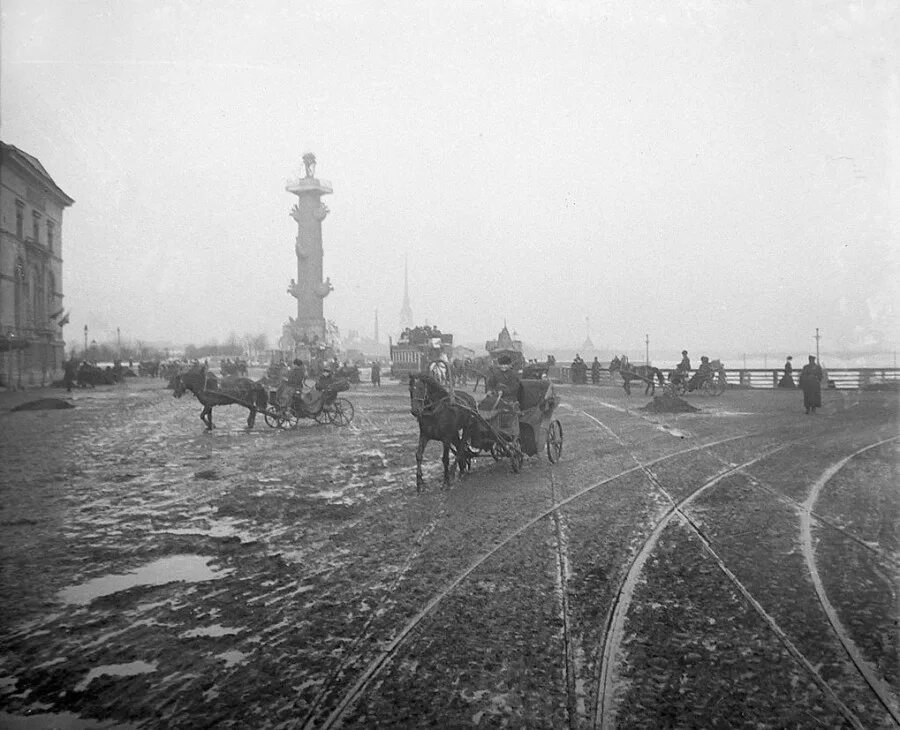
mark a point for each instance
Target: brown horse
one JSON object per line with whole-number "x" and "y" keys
{"x": 629, "y": 372}
{"x": 441, "y": 418}
{"x": 210, "y": 391}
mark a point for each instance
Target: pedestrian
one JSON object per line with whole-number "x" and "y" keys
{"x": 70, "y": 371}
{"x": 376, "y": 373}
{"x": 595, "y": 371}
{"x": 811, "y": 383}
{"x": 787, "y": 380}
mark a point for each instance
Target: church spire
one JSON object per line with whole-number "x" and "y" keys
{"x": 406, "y": 317}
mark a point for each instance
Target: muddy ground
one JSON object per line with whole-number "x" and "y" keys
{"x": 736, "y": 567}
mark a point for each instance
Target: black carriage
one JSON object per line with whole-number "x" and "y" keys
{"x": 321, "y": 404}
{"x": 518, "y": 430}
{"x": 713, "y": 384}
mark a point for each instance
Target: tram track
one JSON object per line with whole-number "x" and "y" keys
{"x": 604, "y": 714}
{"x": 389, "y": 649}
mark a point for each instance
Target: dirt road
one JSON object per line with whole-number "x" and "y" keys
{"x": 732, "y": 567}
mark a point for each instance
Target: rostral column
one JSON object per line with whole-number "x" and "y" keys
{"x": 309, "y": 289}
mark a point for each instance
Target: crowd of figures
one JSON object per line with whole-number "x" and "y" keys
{"x": 85, "y": 374}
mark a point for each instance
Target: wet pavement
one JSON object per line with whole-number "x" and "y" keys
{"x": 734, "y": 566}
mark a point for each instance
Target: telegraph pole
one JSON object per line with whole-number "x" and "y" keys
{"x": 85, "y": 342}
{"x": 119, "y": 342}
{"x": 647, "y": 349}
{"x": 818, "y": 337}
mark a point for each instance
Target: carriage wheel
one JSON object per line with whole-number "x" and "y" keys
{"x": 554, "y": 441}
{"x": 341, "y": 412}
{"x": 498, "y": 450}
{"x": 275, "y": 418}
{"x": 289, "y": 420}
{"x": 719, "y": 386}
{"x": 707, "y": 387}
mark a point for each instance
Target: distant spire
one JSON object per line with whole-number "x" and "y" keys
{"x": 406, "y": 316}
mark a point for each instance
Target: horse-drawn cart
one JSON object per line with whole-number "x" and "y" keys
{"x": 515, "y": 432}
{"x": 321, "y": 405}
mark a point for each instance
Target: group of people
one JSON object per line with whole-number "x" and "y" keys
{"x": 810, "y": 382}
{"x": 705, "y": 371}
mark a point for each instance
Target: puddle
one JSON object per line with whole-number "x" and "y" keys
{"x": 175, "y": 568}
{"x": 115, "y": 670}
{"x": 232, "y": 657}
{"x": 676, "y": 432}
{"x": 214, "y": 630}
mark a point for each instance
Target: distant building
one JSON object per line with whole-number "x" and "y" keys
{"x": 506, "y": 344}
{"x": 31, "y": 292}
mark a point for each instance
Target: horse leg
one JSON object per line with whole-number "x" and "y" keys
{"x": 206, "y": 417}
{"x": 420, "y": 481}
{"x": 251, "y": 419}
{"x": 446, "y": 461}
{"x": 627, "y": 385}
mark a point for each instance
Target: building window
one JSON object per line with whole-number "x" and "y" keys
{"x": 39, "y": 300}
{"x": 50, "y": 231}
{"x": 20, "y": 219}
{"x": 21, "y": 294}
{"x": 36, "y": 226}
{"x": 51, "y": 293}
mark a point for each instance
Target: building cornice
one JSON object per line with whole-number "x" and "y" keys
{"x": 15, "y": 156}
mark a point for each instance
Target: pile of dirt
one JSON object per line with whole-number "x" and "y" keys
{"x": 668, "y": 403}
{"x": 43, "y": 404}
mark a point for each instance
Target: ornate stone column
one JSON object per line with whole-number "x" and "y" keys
{"x": 309, "y": 289}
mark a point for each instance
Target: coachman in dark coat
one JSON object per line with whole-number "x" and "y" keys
{"x": 811, "y": 383}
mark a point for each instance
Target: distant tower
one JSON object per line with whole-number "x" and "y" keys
{"x": 406, "y": 316}
{"x": 376, "y": 324}
{"x": 309, "y": 289}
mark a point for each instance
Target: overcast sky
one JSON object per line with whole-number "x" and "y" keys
{"x": 722, "y": 176}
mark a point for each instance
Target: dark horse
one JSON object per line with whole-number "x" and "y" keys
{"x": 210, "y": 391}
{"x": 441, "y": 418}
{"x": 629, "y": 372}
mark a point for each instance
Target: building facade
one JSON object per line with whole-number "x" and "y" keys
{"x": 31, "y": 290}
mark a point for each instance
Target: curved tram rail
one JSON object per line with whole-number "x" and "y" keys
{"x": 602, "y": 711}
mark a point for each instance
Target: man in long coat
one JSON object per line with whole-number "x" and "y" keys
{"x": 811, "y": 384}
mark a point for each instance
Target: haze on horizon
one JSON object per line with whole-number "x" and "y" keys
{"x": 719, "y": 176}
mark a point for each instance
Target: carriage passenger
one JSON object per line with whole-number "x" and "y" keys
{"x": 292, "y": 384}
{"x": 703, "y": 372}
{"x": 505, "y": 381}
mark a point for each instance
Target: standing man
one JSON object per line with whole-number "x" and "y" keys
{"x": 70, "y": 372}
{"x": 376, "y": 373}
{"x": 595, "y": 371}
{"x": 811, "y": 384}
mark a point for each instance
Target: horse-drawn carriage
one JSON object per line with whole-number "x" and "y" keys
{"x": 502, "y": 430}
{"x": 320, "y": 403}
{"x": 711, "y": 382}
{"x": 519, "y": 429}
